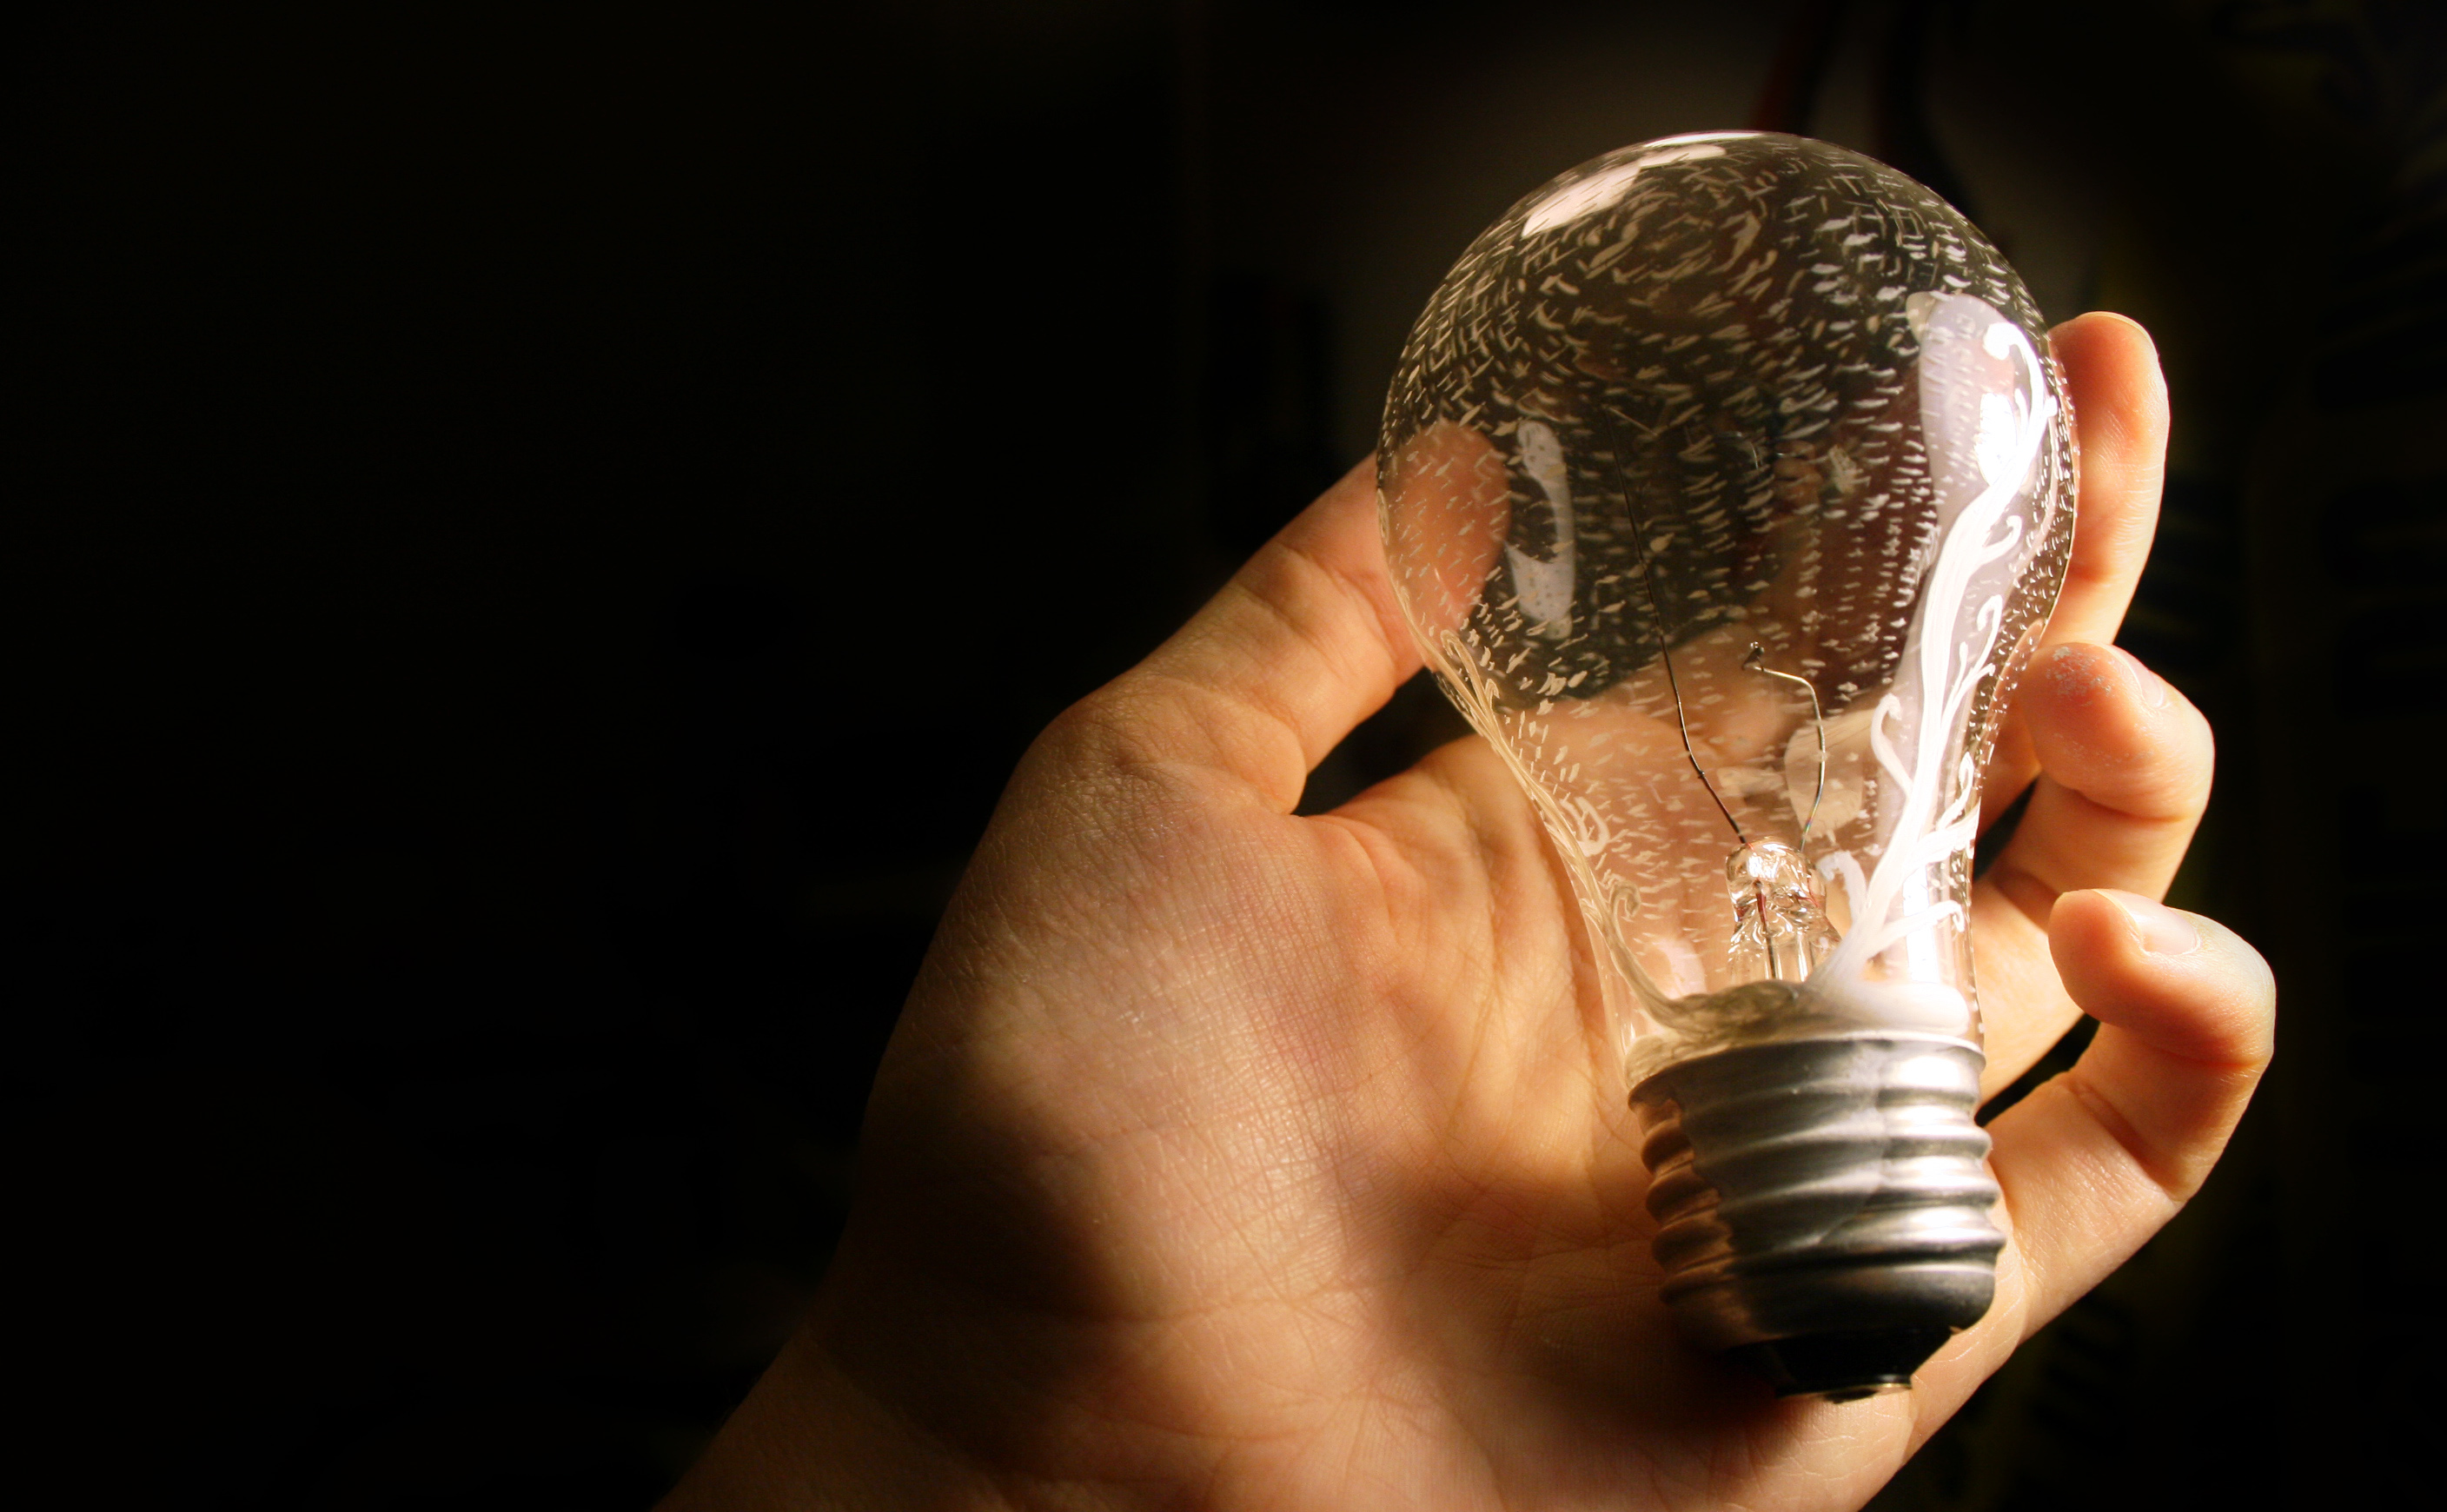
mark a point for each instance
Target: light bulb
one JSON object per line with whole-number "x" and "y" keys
{"x": 1727, "y": 483}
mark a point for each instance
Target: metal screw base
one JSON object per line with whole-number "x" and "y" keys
{"x": 1823, "y": 1204}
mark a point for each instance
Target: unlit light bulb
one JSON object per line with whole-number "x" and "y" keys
{"x": 1727, "y": 482}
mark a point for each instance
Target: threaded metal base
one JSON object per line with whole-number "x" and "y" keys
{"x": 1823, "y": 1204}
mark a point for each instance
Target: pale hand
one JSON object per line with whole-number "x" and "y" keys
{"x": 1227, "y": 1158}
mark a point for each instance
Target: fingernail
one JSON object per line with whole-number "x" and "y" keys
{"x": 2153, "y": 688}
{"x": 2164, "y": 931}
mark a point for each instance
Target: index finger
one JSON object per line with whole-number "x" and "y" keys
{"x": 2120, "y": 409}
{"x": 2120, "y": 405}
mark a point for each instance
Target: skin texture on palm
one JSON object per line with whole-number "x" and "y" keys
{"x": 1230, "y": 1158}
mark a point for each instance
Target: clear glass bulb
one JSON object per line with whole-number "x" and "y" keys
{"x": 1727, "y": 482}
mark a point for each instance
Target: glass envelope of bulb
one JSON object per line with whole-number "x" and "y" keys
{"x": 1726, "y": 482}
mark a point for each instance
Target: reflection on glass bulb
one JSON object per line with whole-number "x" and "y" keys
{"x": 1726, "y": 484}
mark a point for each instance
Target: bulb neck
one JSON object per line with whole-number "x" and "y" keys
{"x": 1823, "y": 1204}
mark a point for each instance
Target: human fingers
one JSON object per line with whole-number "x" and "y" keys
{"x": 1303, "y": 643}
{"x": 2095, "y": 1161}
{"x": 2120, "y": 405}
{"x": 2120, "y": 408}
{"x": 2126, "y": 767}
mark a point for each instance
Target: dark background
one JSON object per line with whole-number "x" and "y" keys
{"x": 537, "y": 532}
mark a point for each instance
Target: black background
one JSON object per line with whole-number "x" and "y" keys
{"x": 538, "y": 531}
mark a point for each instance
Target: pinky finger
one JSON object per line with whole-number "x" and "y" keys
{"x": 2097, "y": 1160}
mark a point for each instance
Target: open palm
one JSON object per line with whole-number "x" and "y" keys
{"x": 1230, "y": 1157}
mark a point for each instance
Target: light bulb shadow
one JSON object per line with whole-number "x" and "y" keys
{"x": 1512, "y": 1240}
{"x": 1534, "y": 1298}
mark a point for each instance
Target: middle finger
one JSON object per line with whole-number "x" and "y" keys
{"x": 2125, "y": 766}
